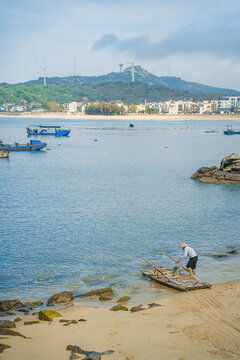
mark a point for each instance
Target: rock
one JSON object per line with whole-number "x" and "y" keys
{"x": 25, "y": 311}
{"x": 153, "y": 305}
{"x": 17, "y": 319}
{"x": 82, "y": 320}
{"x": 11, "y": 313}
{"x": 75, "y": 349}
{"x": 119, "y": 307}
{"x": 63, "y": 297}
{"x": 64, "y": 321}
{"x": 10, "y": 304}
{"x": 123, "y": 299}
{"x": 220, "y": 255}
{"x": 137, "y": 308}
{"x": 228, "y": 173}
{"x": 33, "y": 304}
{"x": 48, "y": 315}
{"x": 31, "y": 322}
{"x": 48, "y": 277}
{"x": 6, "y": 332}
{"x": 105, "y": 291}
{"x": 89, "y": 355}
{"x": 105, "y": 298}
{"x": 4, "y": 347}
{"x": 7, "y": 324}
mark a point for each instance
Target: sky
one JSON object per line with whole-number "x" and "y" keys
{"x": 197, "y": 40}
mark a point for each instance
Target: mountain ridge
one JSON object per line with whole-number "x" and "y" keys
{"x": 141, "y": 75}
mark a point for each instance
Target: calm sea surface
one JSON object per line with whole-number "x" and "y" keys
{"x": 82, "y": 215}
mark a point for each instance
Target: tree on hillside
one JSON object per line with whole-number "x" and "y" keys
{"x": 105, "y": 109}
{"x": 53, "y": 106}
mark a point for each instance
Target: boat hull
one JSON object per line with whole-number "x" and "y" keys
{"x": 23, "y": 147}
{"x": 229, "y": 132}
{"x": 61, "y": 132}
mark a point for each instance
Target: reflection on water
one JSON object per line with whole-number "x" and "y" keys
{"x": 92, "y": 209}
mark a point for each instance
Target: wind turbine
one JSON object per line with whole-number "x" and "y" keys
{"x": 43, "y": 67}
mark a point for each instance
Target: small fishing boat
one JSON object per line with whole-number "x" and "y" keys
{"x": 173, "y": 278}
{"x": 230, "y": 131}
{"x": 47, "y": 130}
{"x": 4, "y": 154}
{"x": 31, "y": 146}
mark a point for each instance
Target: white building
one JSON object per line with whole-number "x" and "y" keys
{"x": 229, "y": 104}
{"x": 71, "y": 107}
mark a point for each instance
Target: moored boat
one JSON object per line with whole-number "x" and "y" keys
{"x": 47, "y": 130}
{"x": 173, "y": 278}
{"x": 31, "y": 146}
{"x": 4, "y": 154}
{"x": 230, "y": 131}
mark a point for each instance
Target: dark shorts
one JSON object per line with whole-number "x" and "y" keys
{"x": 192, "y": 262}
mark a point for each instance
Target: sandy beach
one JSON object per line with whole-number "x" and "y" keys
{"x": 129, "y": 117}
{"x": 203, "y": 324}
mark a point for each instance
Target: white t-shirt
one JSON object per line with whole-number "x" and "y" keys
{"x": 188, "y": 251}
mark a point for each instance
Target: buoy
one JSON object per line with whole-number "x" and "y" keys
{"x": 95, "y": 139}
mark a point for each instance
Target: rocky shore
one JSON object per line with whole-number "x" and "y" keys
{"x": 182, "y": 326}
{"x": 227, "y": 173}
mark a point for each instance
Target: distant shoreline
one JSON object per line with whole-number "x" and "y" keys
{"x": 131, "y": 117}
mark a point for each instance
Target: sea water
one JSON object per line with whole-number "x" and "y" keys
{"x": 82, "y": 214}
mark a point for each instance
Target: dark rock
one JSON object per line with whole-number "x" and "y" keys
{"x": 11, "y": 313}
{"x": 31, "y": 322}
{"x": 106, "y": 291}
{"x": 89, "y": 355}
{"x": 25, "y": 311}
{"x": 82, "y": 320}
{"x": 17, "y": 319}
{"x": 105, "y": 298}
{"x": 152, "y": 305}
{"x": 63, "y": 297}
{"x": 64, "y": 321}
{"x": 220, "y": 255}
{"x": 4, "y": 347}
{"x": 75, "y": 349}
{"x": 137, "y": 308}
{"x": 48, "y": 315}
{"x": 7, "y": 324}
{"x": 234, "y": 251}
{"x": 33, "y": 304}
{"x": 6, "y": 332}
{"x": 10, "y": 304}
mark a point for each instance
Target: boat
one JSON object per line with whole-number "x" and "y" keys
{"x": 31, "y": 146}
{"x": 230, "y": 131}
{"x": 173, "y": 277}
{"x": 47, "y": 130}
{"x": 4, "y": 154}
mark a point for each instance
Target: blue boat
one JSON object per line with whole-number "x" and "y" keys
{"x": 230, "y": 131}
{"x": 47, "y": 130}
{"x": 32, "y": 146}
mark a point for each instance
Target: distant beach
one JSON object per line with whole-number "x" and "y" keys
{"x": 129, "y": 117}
{"x": 199, "y": 324}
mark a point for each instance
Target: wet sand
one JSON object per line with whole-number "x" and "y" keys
{"x": 203, "y": 324}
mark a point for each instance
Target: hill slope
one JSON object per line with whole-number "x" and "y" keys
{"x": 141, "y": 75}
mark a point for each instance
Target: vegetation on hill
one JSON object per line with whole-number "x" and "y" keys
{"x": 132, "y": 93}
{"x": 105, "y": 109}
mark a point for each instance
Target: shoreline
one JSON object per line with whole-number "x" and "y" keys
{"x": 200, "y": 324}
{"x": 129, "y": 117}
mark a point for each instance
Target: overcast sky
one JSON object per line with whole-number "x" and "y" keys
{"x": 197, "y": 40}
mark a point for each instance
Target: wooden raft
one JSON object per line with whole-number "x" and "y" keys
{"x": 168, "y": 276}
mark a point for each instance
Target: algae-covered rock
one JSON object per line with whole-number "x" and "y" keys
{"x": 105, "y": 297}
{"x": 6, "y": 332}
{"x": 9, "y": 305}
{"x": 119, "y": 307}
{"x": 63, "y": 297}
{"x": 123, "y": 299}
{"x": 4, "y": 347}
{"x": 105, "y": 291}
{"x": 7, "y": 324}
{"x": 48, "y": 315}
{"x": 137, "y": 308}
{"x": 33, "y": 304}
{"x": 31, "y": 322}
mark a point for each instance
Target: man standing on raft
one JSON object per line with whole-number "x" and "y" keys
{"x": 193, "y": 258}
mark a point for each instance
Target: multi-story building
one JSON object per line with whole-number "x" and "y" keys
{"x": 229, "y": 104}
{"x": 71, "y": 107}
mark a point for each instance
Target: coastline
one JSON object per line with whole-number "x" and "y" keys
{"x": 201, "y": 324}
{"x": 129, "y": 117}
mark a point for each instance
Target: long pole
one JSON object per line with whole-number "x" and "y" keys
{"x": 161, "y": 272}
{"x": 184, "y": 267}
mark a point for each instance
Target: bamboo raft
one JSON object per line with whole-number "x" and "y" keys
{"x": 173, "y": 278}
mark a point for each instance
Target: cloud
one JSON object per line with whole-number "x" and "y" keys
{"x": 216, "y": 41}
